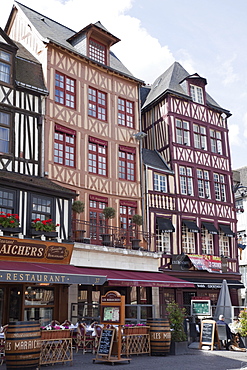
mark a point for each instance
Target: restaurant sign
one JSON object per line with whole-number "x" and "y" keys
{"x": 26, "y": 249}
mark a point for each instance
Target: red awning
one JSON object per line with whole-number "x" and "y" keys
{"x": 32, "y": 272}
{"x": 140, "y": 278}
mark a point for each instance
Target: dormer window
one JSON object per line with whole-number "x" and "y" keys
{"x": 5, "y": 66}
{"x": 196, "y": 94}
{"x": 97, "y": 51}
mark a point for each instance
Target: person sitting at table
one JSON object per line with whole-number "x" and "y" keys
{"x": 221, "y": 321}
{"x": 236, "y": 341}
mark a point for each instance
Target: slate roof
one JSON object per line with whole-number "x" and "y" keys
{"x": 153, "y": 159}
{"x": 41, "y": 184}
{"x": 29, "y": 71}
{"x": 52, "y": 31}
{"x": 170, "y": 82}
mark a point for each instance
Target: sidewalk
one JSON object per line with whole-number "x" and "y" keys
{"x": 194, "y": 360}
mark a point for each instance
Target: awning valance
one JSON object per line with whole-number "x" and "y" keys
{"x": 192, "y": 226}
{"x": 141, "y": 278}
{"x": 226, "y": 230}
{"x": 210, "y": 227}
{"x": 215, "y": 283}
{"x": 30, "y": 272}
{"x": 165, "y": 225}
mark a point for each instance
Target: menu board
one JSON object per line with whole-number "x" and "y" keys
{"x": 106, "y": 341}
{"x": 200, "y": 308}
{"x": 209, "y": 334}
{"x": 111, "y": 314}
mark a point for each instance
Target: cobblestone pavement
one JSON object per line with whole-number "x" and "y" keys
{"x": 194, "y": 360}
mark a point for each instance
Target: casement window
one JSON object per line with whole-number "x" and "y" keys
{"x": 97, "y": 51}
{"x": 65, "y": 92}
{"x": 196, "y": 94}
{"x": 41, "y": 207}
{"x": 5, "y": 67}
{"x": 219, "y": 187}
{"x": 4, "y": 132}
{"x": 97, "y": 156}
{"x": 126, "y": 214}
{"x": 163, "y": 241}
{"x": 97, "y": 104}
{"x": 203, "y": 183}
{"x": 216, "y": 142}
{"x": 182, "y": 132}
{"x": 186, "y": 180}
{"x": 200, "y": 138}
{"x": 207, "y": 240}
{"x": 7, "y": 200}
{"x": 188, "y": 240}
{"x": 160, "y": 183}
{"x": 97, "y": 221}
{"x": 224, "y": 245}
{"x": 125, "y": 113}
{"x": 126, "y": 162}
{"x": 64, "y": 146}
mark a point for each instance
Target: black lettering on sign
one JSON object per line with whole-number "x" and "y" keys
{"x": 106, "y": 341}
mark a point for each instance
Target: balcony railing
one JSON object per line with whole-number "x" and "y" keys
{"x": 112, "y": 236}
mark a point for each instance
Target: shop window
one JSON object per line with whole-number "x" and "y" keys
{"x": 39, "y": 304}
{"x": 97, "y": 51}
{"x": 125, "y": 113}
{"x": 207, "y": 241}
{"x": 64, "y": 147}
{"x": 126, "y": 163}
{"x": 5, "y": 67}
{"x": 4, "y": 132}
{"x": 15, "y": 304}
{"x": 182, "y": 132}
{"x": 186, "y": 180}
{"x": 65, "y": 92}
{"x": 203, "y": 183}
{"x": 97, "y": 104}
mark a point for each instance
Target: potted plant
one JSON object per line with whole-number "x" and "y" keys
{"x": 243, "y": 326}
{"x": 176, "y": 316}
{"x": 137, "y": 221}
{"x": 44, "y": 227}
{"x": 78, "y": 207}
{"x": 108, "y": 213}
{"x": 9, "y": 223}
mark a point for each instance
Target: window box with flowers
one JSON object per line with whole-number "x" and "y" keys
{"x": 9, "y": 223}
{"x": 45, "y": 227}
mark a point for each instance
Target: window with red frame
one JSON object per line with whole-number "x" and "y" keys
{"x": 126, "y": 162}
{"x": 97, "y": 104}
{"x": 125, "y": 113}
{"x": 65, "y": 90}
{"x": 97, "y": 51}
{"x": 64, "y": 146}
{"x": 97, "y": 156}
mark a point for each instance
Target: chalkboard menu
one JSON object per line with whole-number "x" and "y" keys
{"x": 209, "y": 334}
{"x": 106, "y": 342}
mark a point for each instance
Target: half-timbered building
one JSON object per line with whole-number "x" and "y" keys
{"x": 92, "y": 147}
{"x": 189, "y": 198}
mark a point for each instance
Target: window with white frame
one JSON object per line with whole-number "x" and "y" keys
{"x": 5, "y": 66}
{"x": 207, "y": 241}
{"x": 4, "y": 132}
{"x": 163, "y": 241}
{"x": 224, "y": 245}
{"x": 188, "y": 240}
{"x": 196, "y": 94}
{"x": 182, "y": 132}
{"x": 97, "y": 51}
{"x": 203, "y": 183}
{"x": 219, "y": 187}
{"x": 186, "y": 180}
{"x": 160, "y": 183}
{"x": 216, "y": 141}
{"x": 200, "y": 138}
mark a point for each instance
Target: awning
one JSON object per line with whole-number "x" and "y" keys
{"x": 210, "y": 227}
{"x": 44, "y": 273}
{"x": 141, "y": 278}
{"x": 165, "y": 225}
{"x": 226, "y": 230}
{"x": 192, "y": 226}
{"x": 215, "y": 283}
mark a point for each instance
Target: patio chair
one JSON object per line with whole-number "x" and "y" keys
{"x": 97, "y": 329}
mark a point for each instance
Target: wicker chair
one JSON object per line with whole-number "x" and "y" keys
{"x": 98, "y": 330}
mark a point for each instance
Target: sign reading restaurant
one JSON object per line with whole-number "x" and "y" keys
{"x": 26, "y": 249}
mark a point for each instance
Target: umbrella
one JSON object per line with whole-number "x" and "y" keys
{"x": 224, "y": 304}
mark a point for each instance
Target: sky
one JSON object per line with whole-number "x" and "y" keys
{"x": 207, "y": 37}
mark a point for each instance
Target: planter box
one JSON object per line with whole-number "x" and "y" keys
{"x": 55, "y": 334}
{"x": 178, "y": 348}
{"x": 106, "y": 239}
{"x": 10, "y": 230}
{"x": 47, "y": 234}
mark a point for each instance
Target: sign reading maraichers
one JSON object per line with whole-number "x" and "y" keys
{"x": 25, "y": 249}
